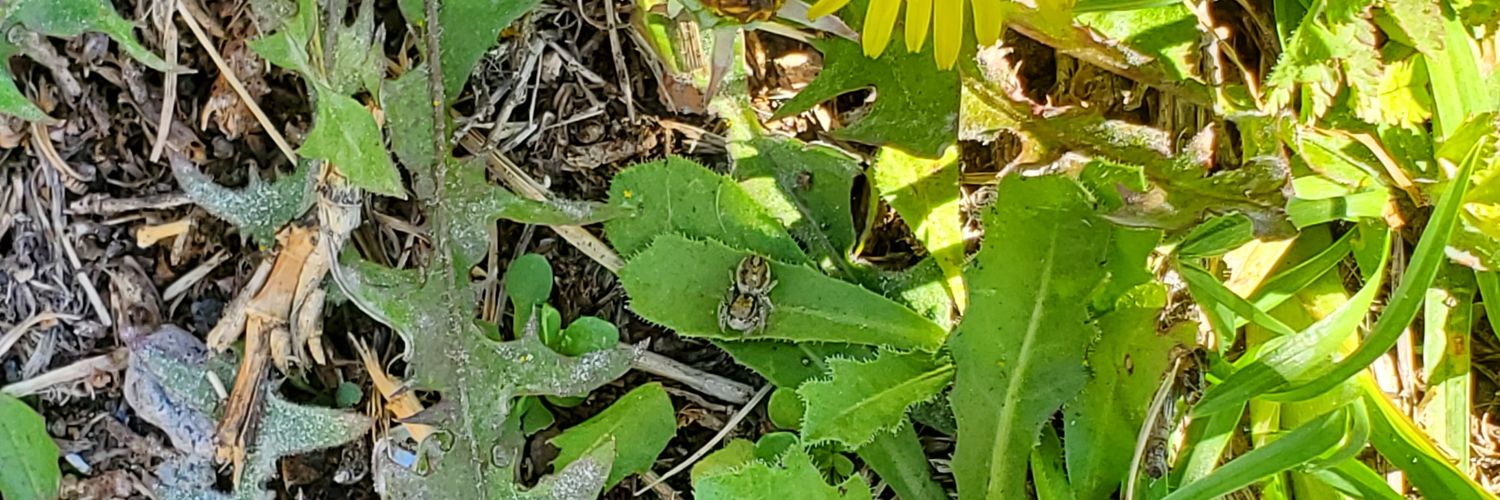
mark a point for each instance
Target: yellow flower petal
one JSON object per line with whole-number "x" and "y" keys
{"x": 825, "y": 7}
{"x": 988, "y": 19}
{"x": 948, "y": 31}
{"x": 918, "y": 14}
{"x": 880, "y": 19}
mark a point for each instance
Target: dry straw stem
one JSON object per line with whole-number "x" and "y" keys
{"x": 234, "y": 81}
{"x": 517, "y": 180}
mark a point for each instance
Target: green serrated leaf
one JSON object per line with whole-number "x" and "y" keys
{"x": 478, "y": 377}
{"x": 861, "y": 399}
{"x": 470, "y": 28}
{"x": 477, "y": 203}
{"x": 679, "y": 283}
{"x": 926, "y": 195}
{"x": 358, "y": 55}
{"x": 1019, "y": 351}
{"x": 1047, "y": 468}
{"x": 678, "y": 196}
{"x": 639, "y": 424}
{"x": 28, "y": 466}
{"x": 916, "y": 109}
{"x": 1128, "y": 363}
{"x": 794, "y": 477}
{"x": 408, "y": 112}
{"x": 1217, "y": 236}
{"x": 1321, "y": 59}
{"x": 806, "y": 187}
{"x": 345, "y": 134}
{"x": 1404, "y": 97}
{"x": 12, "y": 101}
{"x": 484, "y": 379}
{"x": 259, "y": 209}
{"x": 70, "y": 18}
{"x": 1168, "y": 33}
{"x": 287, "y": 47}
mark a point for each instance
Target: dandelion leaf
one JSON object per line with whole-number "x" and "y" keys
{"x": 639, "y": 425}
{"x": 861, "y": 399}
{"x": 478, "y": 378}
{"x": 806, "y": 187}
{"x": 679, "y": 283}
{"x": 1019, "y": 352}
{"x": 676, "y": 195}
{"x": 70, "y": 18}
{"x": 916, "y": 106}
{"x": 926, "y": 194}
{"x": 1127, "y": 365}
{"x": 258, "y": 209}
{"x": 345, "y": 134}
{"x": 794, "y": 476}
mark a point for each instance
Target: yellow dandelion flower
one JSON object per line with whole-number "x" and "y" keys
{"x": 946, "y": 20}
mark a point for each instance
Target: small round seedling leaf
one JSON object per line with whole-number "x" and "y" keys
{"x": 587, "y": 334}
{"x": 772, "y": 446}
{"x": 528, "y": 281}
{"x": 785, "y": 409}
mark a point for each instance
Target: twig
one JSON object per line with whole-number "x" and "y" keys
{"x": 57, "y": 224}
{"x": 83, "y": 369}
{"x": 234, "y": 81}
{"x": 517, "y": 180}
{"x": 14, "y": 334}
{"x": 103, "y": 204}
{"x": 713, "y": 385}
{"x": 42, "y": 141}
{"x": 194, "y": 276}
{"x": 169, "y": 86}
{"x": 232, "y": 322}
{"x": 614, "y": 49}
{"x": 723, "y": 433}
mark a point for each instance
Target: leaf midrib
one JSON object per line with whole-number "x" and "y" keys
{"x": 1013, "y": 385}
{"x": 854, "y": 410}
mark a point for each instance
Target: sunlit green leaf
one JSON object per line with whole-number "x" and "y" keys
{"x": 1296, "y": 447}
{"x": 806, "y": 187}
{"x": 1294, "y": 358}
{"x": 863, "y": 398}
{"x": 679, "y": 196}
{"x": 794, "y": 477}
{"x": 916, "y": 108}
{"x": 1019, "y": 351}
{"x": 1127, "y": 363}
{"x": 679, "y": 283}
{"x": 1405, "y": 300}
{"x": 1217, "y": 236}
{"x": 344, "y": 133}
{"x": 639, "y": 424}
{"x": 926, "y": 195}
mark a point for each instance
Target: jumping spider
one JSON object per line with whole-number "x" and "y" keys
{"x": 747, "y": 303}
